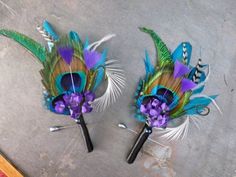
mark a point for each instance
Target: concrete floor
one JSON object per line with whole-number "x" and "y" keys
{"x": 24, "y": 135}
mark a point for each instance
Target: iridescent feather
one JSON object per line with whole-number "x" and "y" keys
{"x": 176, "y": 83}
{"x": 71, "y": 65}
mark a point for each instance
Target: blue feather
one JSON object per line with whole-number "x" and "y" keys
{"x": 86, "y": 43}
{"x": 48, "y": 28}
{"x": 101, "y": 62}
{"x": 197, "y": 105}
{"x": 74, "y": 36}
{"x": 178, "y": 53}
{"x": 202, "y": 77}
{"x": 148, "y": 66}
{"x": 99, "y": 78}
{"x": 199, "y": 90}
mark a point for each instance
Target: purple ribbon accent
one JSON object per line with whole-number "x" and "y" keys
{"x": 91, "y": 58}
{"x": 77, "y": 103}
{"x": 156, "y": 111}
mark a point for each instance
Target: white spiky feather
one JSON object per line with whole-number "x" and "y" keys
{"x": 94, "y": 45}
{"x": 180, "y": 132}
{"x": 115, "y": 83}
{"x": 175, "y": 133}
{"x": 197, "y": 120}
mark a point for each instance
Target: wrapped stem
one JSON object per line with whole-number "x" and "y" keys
{"x": 143, "y": 136}
{"x": 85, "y": 132}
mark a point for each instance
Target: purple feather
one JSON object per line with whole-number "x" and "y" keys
{"x": 187, "y": 84}
{"x": 66, "y": 54}
{"x": 91, "y": 58}
{"x": 180, "y": 69}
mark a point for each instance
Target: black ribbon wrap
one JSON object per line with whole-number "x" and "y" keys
{"x": 143, "y": 136}
{"x": 85, "y": 132}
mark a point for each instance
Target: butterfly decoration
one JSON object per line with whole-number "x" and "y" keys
{"x": 170, "y": 90}
{"x": 72, "y": 72}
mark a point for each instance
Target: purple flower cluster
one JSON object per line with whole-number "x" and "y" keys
{"x": 77, "y": 103}
{"x": 156, "y": 111}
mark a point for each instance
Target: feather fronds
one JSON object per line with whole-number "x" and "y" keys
{"x": 116, "y": 81}
{"x": 175, "y": 133}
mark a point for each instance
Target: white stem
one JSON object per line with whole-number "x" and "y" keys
{"x": 72, "y": 80}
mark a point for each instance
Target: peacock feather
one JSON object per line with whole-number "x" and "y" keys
{"x": 172, "y": 88}
{"x": 72, "y": 71}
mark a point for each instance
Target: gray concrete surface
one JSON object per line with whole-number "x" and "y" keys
{"x": 24, "y": 135}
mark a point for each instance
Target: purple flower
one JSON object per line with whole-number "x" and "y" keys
{"x": 156, "y": 102}
{"x": 75, "y": 112}
{"x": 164, "y": 107}
{"x": 156, "y": 111}
{"x": 161, "y": 121}
{"x": 89, "y": 96}
{"x": 86, "y": 107}
{"x": 143, "y": 109}
{"x": 77, "y": 103}
{"x": 60, "y": 106}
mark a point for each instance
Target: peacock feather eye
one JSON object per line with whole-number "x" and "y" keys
{"x": 66, "y": 83}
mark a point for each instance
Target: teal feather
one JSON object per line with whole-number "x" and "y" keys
{"x": 202, "y": 77}
{"x": 148, "y": 66}
{"x": 34, "y": 47}
{"x": 50, "y": 31}
{"x": 99, "y": 78}
{"x": 199, "y": 90}
{"x": 200, "y": 103}
{"x": 86, "y": 43}
{"x": 102, "y": 61}
{"x": 74, "y": 36}
{"x": 178, "y": 53}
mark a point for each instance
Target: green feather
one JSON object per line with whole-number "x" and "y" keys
{"x": 34, "y": 47}
{"x": 181, "y": 111}
{"x": 163, "y": 54}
